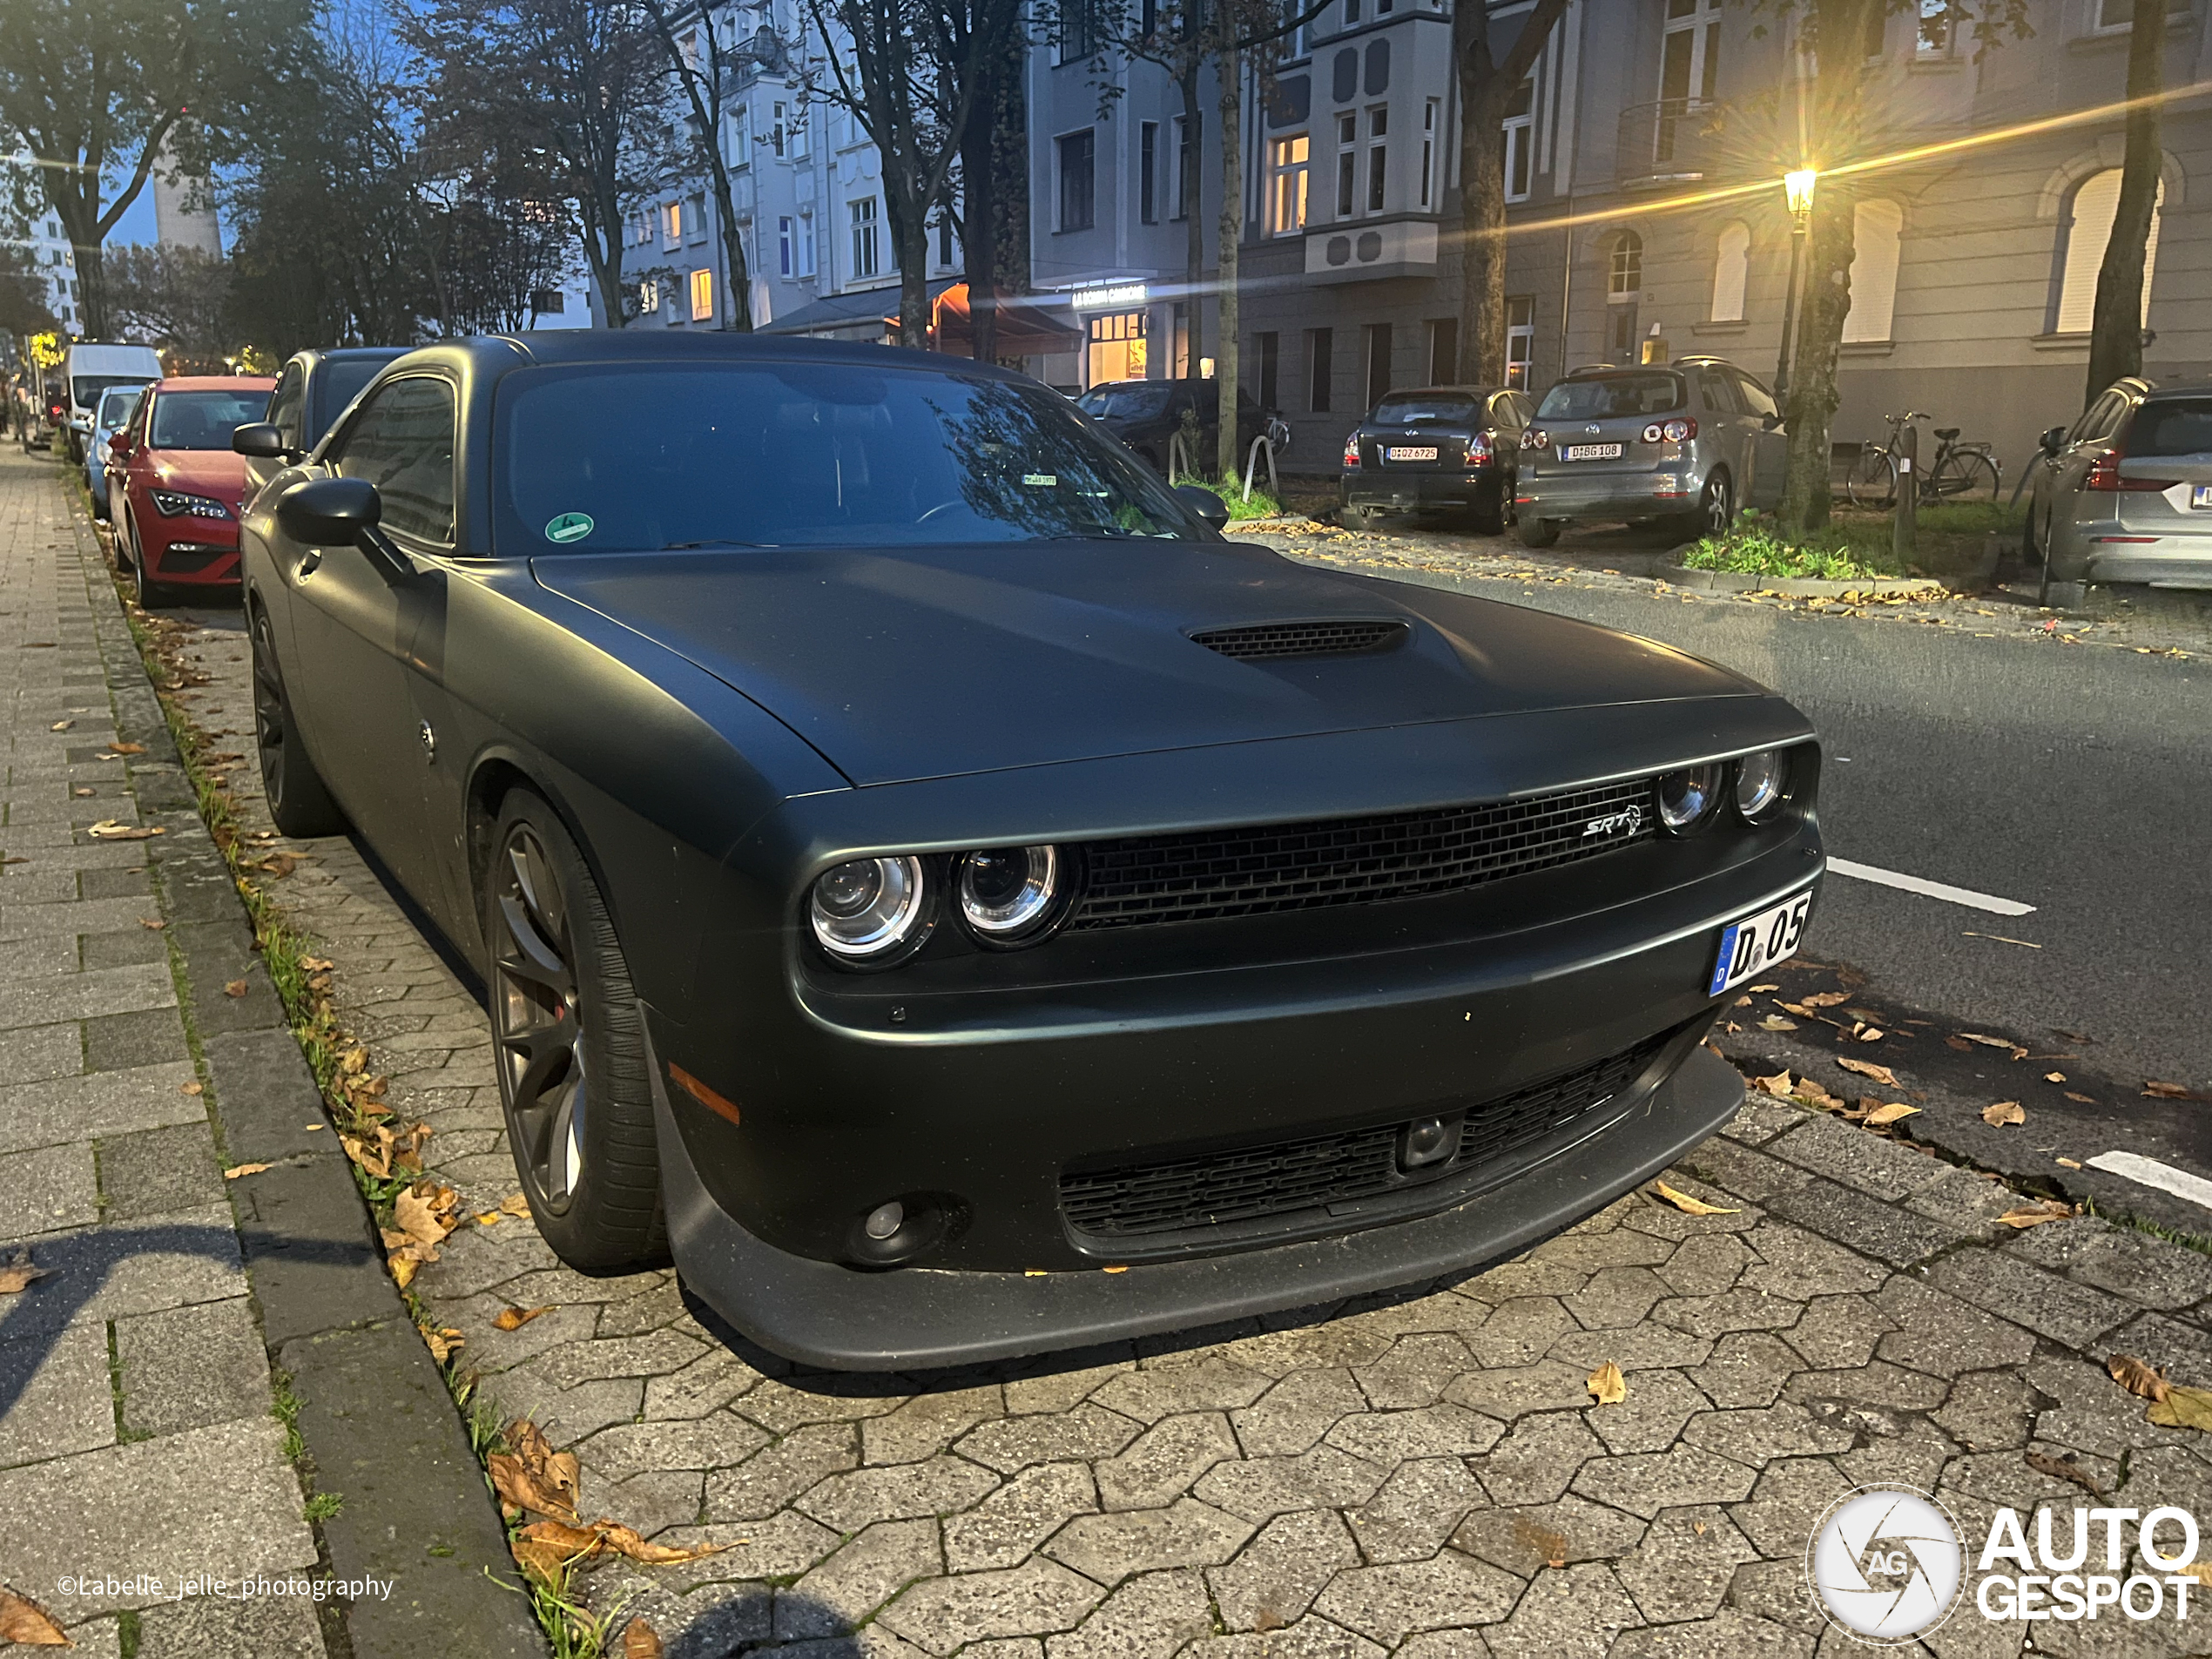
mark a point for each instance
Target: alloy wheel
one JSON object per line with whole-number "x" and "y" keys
{"x": 540, "y": 1032}
{"x": 268, "y": 709}
{"x": 1720, "y": 506}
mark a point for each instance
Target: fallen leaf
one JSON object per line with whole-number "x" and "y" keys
{"x": 1871, "y": 1034}
{"x": 533, "y": 1475}
{"x": 23, "y": 1620}
{"x": 2132, "y": 1374}
{"x": 127, "y": 748}
{"x": 17, "y": 1275}
{"x": 1775, "y": 1022}
{"x": 640, "y": 1641}
{"x": 1118, "y": 1267}
{"x": 1867, "y": 1068}
{"x": 514, "y": 1204}
{"x": 2063, "y": 1469}
{"x": 109, "y": 830}
{"x": 61, "y": 725}
{"x": 442, "y": 1342}
{"x": 625, "y": 1540}
{"x": 1765, "y": 987}
{"x": 2183, "y": 1408}
{"x": 1827, "y": 999}
{"x": 404, "y": 1269}
{"x": 2035, "y": 1215}
{"x": 513, "y": 1319}
{"x": 192, "y": 1089}
{"x": 316, "y": 964}
{"x": 1779, "y": 1085}
{"x": 234, "y": 988}
{"x": 540, "y": 1560}
{"x": 2002, "y": 1113}
{"x": 2069, "y": 1164}
{"x": 353, "y": 1060}
{"x": 2201, "y": 1571}
{"x": 1796, "y": 1007}
{"x": 1697, "y": 1527}
{"x": 2173, "y": 1091}
{"x": 1882, "y": 1116}
{"x": 83, "y": 794}
{"x": 151, "y": 924}
{"x": 313, "y": 1128}
{"x": 1813, "y": 1094}
{"x": 1688, "y": 1205}
{"x": 237, "y": 1169}
{"x": 1607, "y": 1385}
{"x": 2086, "y": 1100}
{"x": 425, "y": 1217}
{"x": 1959, "y": 1043}
{"x": 2054, "y": 1076}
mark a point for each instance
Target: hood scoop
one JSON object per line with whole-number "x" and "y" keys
{"x": 1334, "y": 636}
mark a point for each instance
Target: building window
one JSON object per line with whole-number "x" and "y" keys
{"x": 1443, "y": 350}
{"x": 671, "y": 225}
{"x": 776, "y": 130}
{"x": 1298, "y": 42}
{"x": 1690, "y": 60}
{"x": 1267, "y": 347}
{"x": 1875, "y": 228}
{"x": 1184, "y": 176}
{"x": 945, "y": 249}
{"x": 1288, "y": 165}
{"x": 1347, "y": 162}
{"x": 1429, "y": 124}
{"x": 2088, "y": 227}
{"x": 1520, "y": 339}
{"x": 702, "y": 296}
{"x": 548, "y": 302}
{"x": 1520, "y": 140}
{"x": 1148, "y": 172}
{"x": 1378, "y": 157}
{"x": 786, "y": 239}
{"x": 741, "y": 139}
{"x": 864, "y": 248}
{"x": 1076, "y": 152}
{"x": 1731, "y": 270}
{"x": 806, "y": 249}
{"x": 1351, "y": 17}
{"x": 1117, "y": 349}
{"x": 649, "y": 298}
{"x": 1319, "y": 370}
{"x": 1377, "y": 362}
{"x": 795, "y": 138}
{"x": 1624, "y": 267}
{"x": 1078, "y": 31}
{"x": 695, "y": 219}
{"x": 1937, "y": 26}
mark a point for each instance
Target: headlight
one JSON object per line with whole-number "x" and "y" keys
{"x": 173, "y": 504}
{"x": 1686, "y": 797}
{"x": 867, "y": 910}
{"x": 1010, "y": 893}
{"x": 1760, "y": 779}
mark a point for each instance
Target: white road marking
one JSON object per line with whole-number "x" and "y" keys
{"x": 2151, "y": 1173}
{"x": 1942, "y": 890}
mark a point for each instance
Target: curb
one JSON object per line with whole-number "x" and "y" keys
{"x": 1798, "y": 587}
{"x": 378, "y": 1421}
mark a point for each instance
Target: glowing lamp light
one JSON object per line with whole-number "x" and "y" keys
{"x": 1798, "y": 187}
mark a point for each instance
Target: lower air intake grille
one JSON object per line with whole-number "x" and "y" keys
{"x": 1247, "y": 1184}
{"x": 1302, "y": 638}
{"x": 1147, "y": 879}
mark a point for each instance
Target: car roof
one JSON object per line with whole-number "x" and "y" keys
{"x": 672, "y": 346}
{"x": 1442, "y": 391}
{"x": 1598, "y": 371}
{"x": 216, "y": 383}
{"x": 2190, "y": 388}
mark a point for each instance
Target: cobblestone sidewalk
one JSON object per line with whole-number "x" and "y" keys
{"x": 1423, "y": 1474}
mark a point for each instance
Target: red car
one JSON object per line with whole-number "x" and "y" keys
{"x": 174, "y": 484}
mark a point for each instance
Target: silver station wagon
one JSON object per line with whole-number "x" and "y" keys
{"x": 2125, "y": 494}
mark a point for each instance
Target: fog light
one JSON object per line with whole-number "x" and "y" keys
{"x": 885, "y": 1219}
{"x": 1427, "y": 1141}
{"x": 900, "y": 1229}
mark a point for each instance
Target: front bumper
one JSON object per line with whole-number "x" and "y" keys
{"x": 199, "y": 553}
{"x": 850, "y": 1319}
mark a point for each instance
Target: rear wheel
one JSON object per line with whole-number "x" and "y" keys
{"x": 1491, "y": 510}
{"x": 298, "y": 801}
{"x": 1538, "y": 532}
{"x": 1715, "y": 508}
{"x": 568, "y": 1038}
{"x": 1965, "y": 476}
{"x": 1870, "y": 481}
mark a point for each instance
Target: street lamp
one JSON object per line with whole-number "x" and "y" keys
{"x": 1796, "y": 187}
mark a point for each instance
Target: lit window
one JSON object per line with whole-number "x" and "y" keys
{"x": 702, "y": 296}
{"x": 1731, "y": 270}
{"x": 1289, "y": 163}
{"x": 1875, "y": 230}
{"x": 1624, "y": 273}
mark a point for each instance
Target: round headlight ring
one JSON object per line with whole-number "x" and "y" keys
{"x": 1687, "y": 797}
{"x": 1762, "y": 780}
{"x": 867, "y": 911}
{"x": 1011, "y": 894}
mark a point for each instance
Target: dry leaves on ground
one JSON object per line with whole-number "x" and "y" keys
{"x": 2066, "y": 1469}
{"x": 115, "y": 749}
{"x": 441, "y": 1341}
{"x": 512, "y": 1318}
{"x": 1775, "y": 1022}
{"x": 2018, "y": 1052}
{"x": 424, "y": 1213}
{"x": 641, "y": 1641}
{"x": 1889, "y": 1113}
{"x": 2137, "y": 1377}
{"x": 234, "y": 988}
{"x": 514, "y": 1206}
{"x": 1826, "y": 999}
{"x": 23, "y": 1620}
{"x": 382, "y": 1153}
{"x": 16, "y": 1274}
{"x": 61, "y": 725}
{"x": 1688, "y": 1205}
{"x": 237, "y": 1170}
{"x": 2001, "y": 1113}
{"x": 560, "y": 1544}
{"x": 2171, "y": 1405}
{"x": 1881, "y": 1075}
{"x": 1779, "y": 1085}
{"x": 2173, "y": 1091}
{"x": 533, "y": 1477}
{"x": 192, "y": 1089}
{"x": 109, "y": 829}
{"x": 2035, "y": 1215}
{"x": 1607, "y": 1385}
{"x": 2085, "y": 1100}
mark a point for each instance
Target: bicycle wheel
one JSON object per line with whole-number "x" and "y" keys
{"x": 1965, "y": 475}
{"x": 1871, "y": 481}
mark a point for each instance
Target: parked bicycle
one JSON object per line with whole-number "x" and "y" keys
{"x": 1956, "y": 472}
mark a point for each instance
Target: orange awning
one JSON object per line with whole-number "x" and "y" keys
{"x": 1024, "y": 329}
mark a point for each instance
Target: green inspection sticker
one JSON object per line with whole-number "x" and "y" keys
{"x": 569, "y": 527}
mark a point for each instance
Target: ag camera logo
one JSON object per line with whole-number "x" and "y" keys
{"x": 1886, "y": 1563}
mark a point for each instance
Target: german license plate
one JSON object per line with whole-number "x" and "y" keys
{"x": 1409, "y": 452}
{"x": 2201, "y": 496}
{"x": 1593, "y": 452}
{"x": 1757, "y": 943}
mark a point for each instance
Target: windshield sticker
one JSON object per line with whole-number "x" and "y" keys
{"x": 1047, "y": 479}
{"x": 569, "y": 527}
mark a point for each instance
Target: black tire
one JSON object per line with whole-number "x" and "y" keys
{"x": 1538, "y": 532}
{"x": 1715, "y": 506}
{"x": 1965, "y": 476}
{"x": 300, "y": 801}
{"x": 568, "y": 1043}
{"x": 1491, "y": 511}
{"x": 2031, "y": 552}
{"x": 121, "y": 550}
{"x": 147, "y": 595}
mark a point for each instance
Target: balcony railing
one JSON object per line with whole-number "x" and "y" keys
{"x": 1667, "y": 139}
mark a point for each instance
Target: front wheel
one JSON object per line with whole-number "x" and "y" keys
{"x": 145, "y": 592}
{"x": 299, "y": 802}
{"x": 1537, "y": 532}
{"x": 1871, "y": 479}
{"x": 1965, "y": 476}
{"x": 568, "y": 1042}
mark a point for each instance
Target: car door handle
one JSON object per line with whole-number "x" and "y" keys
{"x": 309, "y": 563}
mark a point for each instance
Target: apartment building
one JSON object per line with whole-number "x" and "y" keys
{"x": 37, "y": 233}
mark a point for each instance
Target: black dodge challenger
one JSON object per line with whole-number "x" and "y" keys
{"x": 934, "y": 888}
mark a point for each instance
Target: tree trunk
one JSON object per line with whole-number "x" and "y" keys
{"x": 979, "y": 217}
{"x": 1482, "y": 201}
{"x": 2116, "y": 325}
{"x": 910, "y": 237}
{"x": 1010, "y": 168}
{"x": 1194, "y": 240}
{"x": 1230, "y": 66}
{"x": 1828, "y": 246}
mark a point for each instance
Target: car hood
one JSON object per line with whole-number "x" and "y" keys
{"x": 219, "y": 473}
{"x": 931, "y": 662}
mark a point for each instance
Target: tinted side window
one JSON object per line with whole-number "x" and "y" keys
{"x": 402, "y": 441}
{"x": 2098, "y": 419}
{"x": 1505, "y": 412}
{"x": 1756, "y": 398}
{"x": 1717, "y": 392}
{"x": 284, "y": 403}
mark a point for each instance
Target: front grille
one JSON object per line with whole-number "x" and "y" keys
{"x": 1142, "y": 880}
{"x": 1302, "y": 638}
{"x": 1249, "y": 1184}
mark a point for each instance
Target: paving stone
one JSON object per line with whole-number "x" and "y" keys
{"x": 1682, "y": 1567}
{"x": 160, "y": 1171}
{"x": 1537, "y": 1460}
{"x": 1645, "y": 1483}
{"x": 1786, "y": 1502}
{"x": 713, "y": 1442}
{"x": 218, "y": 1628}
{"x": 1150, "y": 1616}
{"x": 133, "y": 947}
{"x": 1293, "y": 1415}
{"x": 1387, "y": 1439}
{"x": 1389, "y": 1603}
{"x": 2091, "y": 1414}
{"x": 1209, "y": 1384}
{"x": 652, "y": 1501}
{"x": 780, "y": 1407}
{"x": 1593, "y": 1251}
{"x": 1746, "y": 1368}
{"x": 1743, "y": 1173}
{"x": 1739, "y": 1635}
{"x": 1310, "y": 1638}
{"x": 1087, "y": 1433}
{"x": 1876, "y": 1229}
{"x": 1161, "y": 1463}
{"x": 1535, "y": 1274}
{"x": 1525, "y": 1541}
{"x": 119, "y": 1041}
{"x": 1004, "y": 1528}
{"x": 1965, "y": 1199}
{"x": 39, "y": 1052}
{"x": 1942, "y": 1335}
{"x": 1648, "y": 1346}
{"x": 103, "y": 1104}
{"x": 783, "y": 1545}
{"x": 1844, "y": 1153}
{"x": 1445, "y": 1644}
{"x": 1839, "y": 1330}
{"x": 1186, "y": 1534}
{"x": 941, "y": 1486}
{"x": 842, "y": 1592}
{"x": 940, "y": 1614}
{"x": 1790, "y": 1262}
{"x": 1508, "y": 1392}
{"x": 1259, "y": 1488}
{"x": 1519, "y": 1332}
{"x": 1274, "y": 1578}
{"x": 54, "y": 1397}
{"x": 1415, "y": 1510}
{"x": 2075, "y": 1314}
{"x": 50, "y": 1188}
{"x": 1572, "y": 1613}
{"x": 2147, "y": 1271}
{"x": 1414, "y": 1373}
{"x": 85, "y": 995}
{"x": 188, "y": 1367}
{"x": 1616, "y": 1296}
{"x": 928, "y": 1424}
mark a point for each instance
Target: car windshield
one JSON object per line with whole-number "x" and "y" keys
{"x": 1135, "y": 400}
{"x": 336, "y": 385}
{"x": 1424, "y": 405}
{"x": 806, "y": 455}
{"x": 2178, "y": 427}
{"x": 1600, "y": 395}
{"x": 86, "y": 389}
{"x": 115, "y": 409}
{"x": 202, "y": 420}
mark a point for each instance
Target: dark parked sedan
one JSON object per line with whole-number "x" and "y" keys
{"x": 936, "y": 889}
{"x": 312, "y": 389}
{"x": 1147, "y": 414}
{"x": 1437, "y": 448}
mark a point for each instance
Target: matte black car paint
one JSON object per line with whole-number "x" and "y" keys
{"x": 718, "y": 727}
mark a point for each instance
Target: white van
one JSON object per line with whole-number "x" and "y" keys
{"x": 87, "y": 371}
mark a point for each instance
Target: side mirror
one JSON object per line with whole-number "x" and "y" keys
{"x": 2054, "y": 440}
{"x": 261, "y": 439}
{"x": 1204, "y": 504}
{"x": 1771, "y": 421}
{"x": 329, "y": 512}
{"x": 119, "y": 445}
